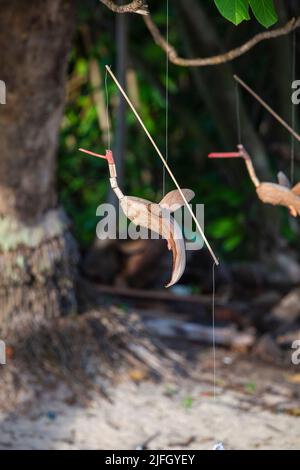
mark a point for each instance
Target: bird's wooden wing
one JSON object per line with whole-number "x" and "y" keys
{"x": 173, "y": 200}
{"x": 283, "y": 180}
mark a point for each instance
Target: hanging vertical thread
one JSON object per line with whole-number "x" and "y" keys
{"x": 219, "y": 445}
{"x": 107, "y": 112}
{"x": 293, "y": 117}
{"x": 213, "y": 330}
{"x": 167, "y": 102}
{"x": 238, "y": 113}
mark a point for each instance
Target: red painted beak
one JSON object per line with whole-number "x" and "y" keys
{"x": 108, "y": 156}
{"x": 226, "y": 155}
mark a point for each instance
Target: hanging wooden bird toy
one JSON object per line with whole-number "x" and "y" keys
{"x": 152, "y": 216}
{"x": 277, "y": 194}
{"x": 156, "y": 217}
{"x": 282, "y": 193}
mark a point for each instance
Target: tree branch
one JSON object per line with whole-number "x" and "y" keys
{"x": 221, "y": 58}
{"x": 135, "y": 6}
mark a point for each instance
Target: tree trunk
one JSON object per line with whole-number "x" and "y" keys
{"x": 37, "y": 253}
{"x": 121, "y": 127}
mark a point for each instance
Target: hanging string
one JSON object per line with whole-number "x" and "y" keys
{"x": 293, "y": 109}
{"x": 167, "y": 103}
{"x": 238, "y": 113}
{"x": 213, "y": 331}
{"x": 107, "y": 112}
{"x": 219, "y": 445}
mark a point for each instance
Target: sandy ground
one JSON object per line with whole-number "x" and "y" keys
{"x": 253, "y": 409}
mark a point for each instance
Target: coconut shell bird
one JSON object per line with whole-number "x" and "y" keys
{"x": 277, "y": 194}
{"x": 155, "y": 217}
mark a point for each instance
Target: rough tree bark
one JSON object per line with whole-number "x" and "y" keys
{"x": 37, "y": 253}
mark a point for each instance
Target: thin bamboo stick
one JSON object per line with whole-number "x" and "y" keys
{"x": 165, "y": 163}
{"x": 268, "y": 108}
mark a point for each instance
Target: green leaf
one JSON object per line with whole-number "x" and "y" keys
{"x": 235, "y": 11}
{"x": 264, "y": 12}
